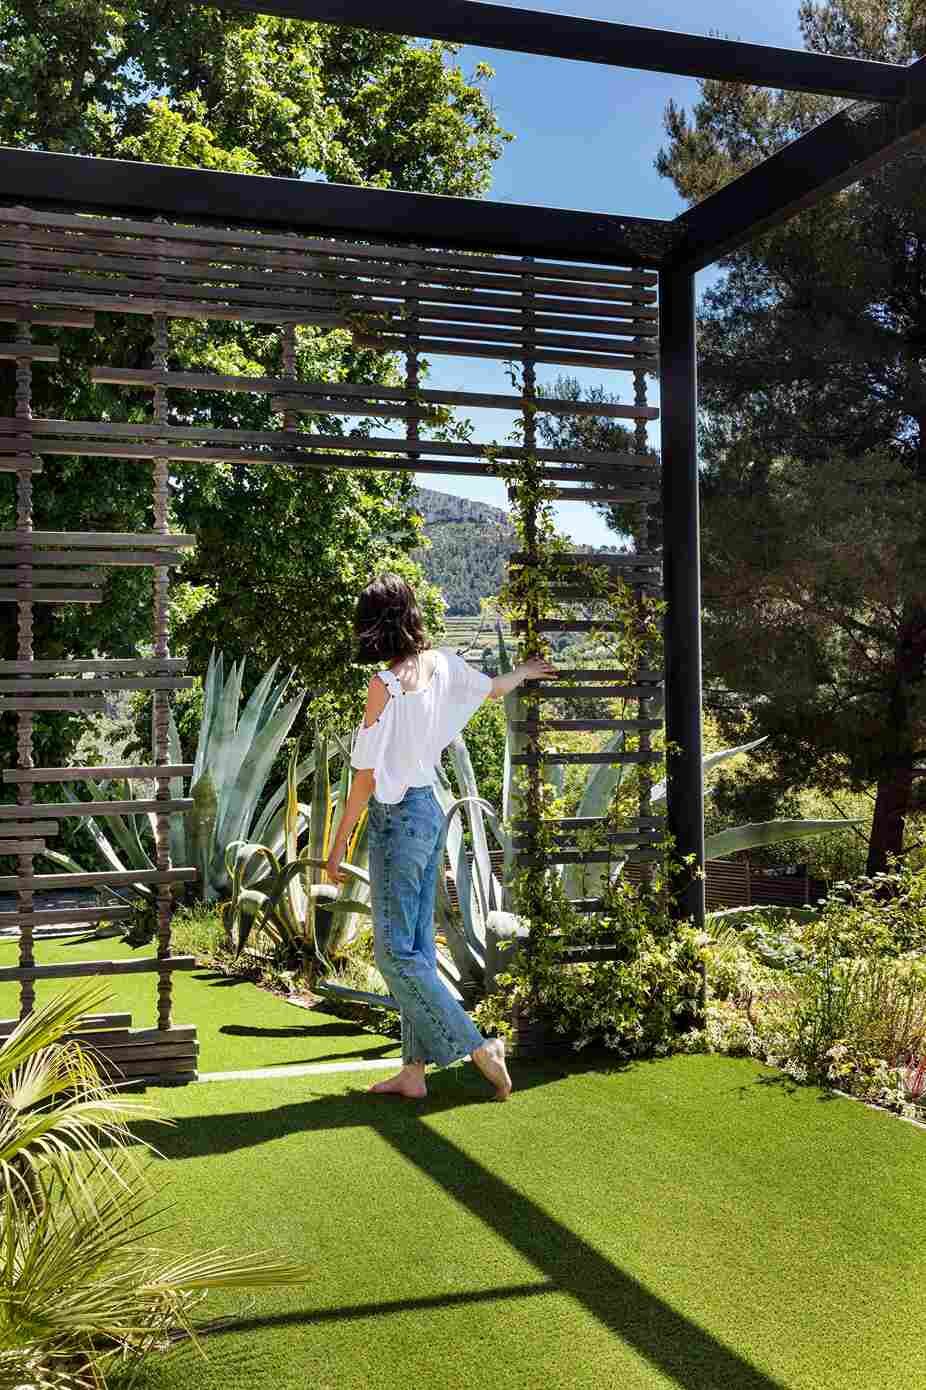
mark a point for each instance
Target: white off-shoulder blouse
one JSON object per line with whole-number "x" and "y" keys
{"x": 403, "y": 746}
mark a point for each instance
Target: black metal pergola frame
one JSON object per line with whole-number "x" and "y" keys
{"x": 885, "y": 115}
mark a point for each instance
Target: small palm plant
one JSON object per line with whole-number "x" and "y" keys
{"x": 83, "y": 1291}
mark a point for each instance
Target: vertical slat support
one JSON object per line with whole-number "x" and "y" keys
{"x": 682, "y": 580}
{"x": 535, "y": 772}
{"x": 160, "y": 702}
{"x": 25, "y": 652}
{"x": 645, "y": 742}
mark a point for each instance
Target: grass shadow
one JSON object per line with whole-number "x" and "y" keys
{"x": 675, "y": 1345}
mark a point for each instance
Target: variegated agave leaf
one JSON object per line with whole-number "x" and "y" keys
{"x": 711, "y": 761}
{"x": 585, "y": 880}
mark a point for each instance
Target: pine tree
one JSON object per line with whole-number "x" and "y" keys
{"x": 814, "y": 441}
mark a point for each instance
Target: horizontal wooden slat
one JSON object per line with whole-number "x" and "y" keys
{"x": 25, "y": 594}
{"x": 21, "y": 574}
{"x": 644, "y": 581}
{"x": 603, "y": 673}
{"x": 523, "y": 341}
{"x": 289, "y": 387}
{"x": 21, "y": 846}
{"x": 9, "y": 829}
{"x": 561, "y": 356}
{"x": 61, "y": 706}
{"x": 20, "y": 464}
{"x": 79, "y": 809}
{"x": 106, "y": 559}
{"x": 53, "y": 318}
{"x": 95, "y": 300}
{"x": 610, "y": 495}
{"x": 590, "y": 955}
{"x": 31, "y": 262}
{"x": 606, "y": 692}
{"x": 181, "y": 1037}
{"x": 583, "y": 725}
{"x": 469, "y": 463}
{"x": 132, "y": 772}
{"x": 566, "y": 625}
{"x": 616, "y": 837}
{"x": 309, "y": 405}
{"x": 92, "y": 540}
{"x": 297, "y": 439}
{"x": 78, "y": 969}
{"x": 103, "y": 879}
{"x": 565, "y": 856}
{"x": 79, "y": 686}
{"x": 186, "y": 236}
{"x": 643, "y": 560}
{"x": 7, "y": 1025}
{"x": 29, "y": 352}
{"x": 56, "y": 916}
{"x": 592, "y": 822}
{"x": 610, "y": 759}
{"x": 130, "y": 1055}
{"x": 101, "y": 664}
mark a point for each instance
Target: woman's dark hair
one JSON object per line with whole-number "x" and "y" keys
{"x": 387, "y": 621}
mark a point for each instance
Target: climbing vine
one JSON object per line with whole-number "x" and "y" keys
{"x": 649, "y": 987}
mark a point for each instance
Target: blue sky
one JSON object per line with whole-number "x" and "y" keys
{"x": 586, "y": 137}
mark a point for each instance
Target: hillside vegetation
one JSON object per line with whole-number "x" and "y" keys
{"x": 470, "y": 545}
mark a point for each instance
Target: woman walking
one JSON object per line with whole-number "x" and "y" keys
{"x": 418, "y": 701}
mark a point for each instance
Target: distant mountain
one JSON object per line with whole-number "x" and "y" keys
{"x": 470, "y": 545}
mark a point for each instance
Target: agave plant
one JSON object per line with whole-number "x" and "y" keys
{"x": 82, "y": 1289}
{"x": 283, "y": 897}
{"x": 235, "y": 753}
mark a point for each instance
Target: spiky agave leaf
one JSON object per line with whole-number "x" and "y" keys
{"x": 238, "y": 804}
{"x": 771, "y": 832}
{"x": 712, "y": 760}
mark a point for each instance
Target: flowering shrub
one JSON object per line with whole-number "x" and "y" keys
{"x": 844, "y": 1003}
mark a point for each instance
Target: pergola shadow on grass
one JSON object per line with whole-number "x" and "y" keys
{"x": 513, "y": 284}
{"x": 683, "y": 1222}
{"x": 670, "y": 1342}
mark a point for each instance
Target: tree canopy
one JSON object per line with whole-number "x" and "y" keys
{"x": 814, "y": 441}
{"x": 175, "y": 84}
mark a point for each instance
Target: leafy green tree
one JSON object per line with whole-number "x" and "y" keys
{"x": 814, "y": 442}
{"x": 282, "y": 554}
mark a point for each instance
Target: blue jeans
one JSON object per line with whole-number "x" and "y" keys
{"x": 406, "y": 856}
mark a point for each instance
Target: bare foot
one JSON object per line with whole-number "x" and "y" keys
{"x": 490, "y": 1059}
{"x": 409, "y": 1082}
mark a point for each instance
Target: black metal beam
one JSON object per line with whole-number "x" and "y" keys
{"x": 855, "y": 142}
{"x": 598, "y": 41}
{"x": 682, "y": 580}
{"x": 76, "y": 182}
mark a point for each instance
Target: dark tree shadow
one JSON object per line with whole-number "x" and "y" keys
{"x": 675, "y": 1345}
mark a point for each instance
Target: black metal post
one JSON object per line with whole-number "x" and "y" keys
{"x": 682, "y": 579}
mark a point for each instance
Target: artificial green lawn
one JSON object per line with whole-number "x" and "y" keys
{"x": 238, "y": 1025}
{"x": 695, "y": 1222}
